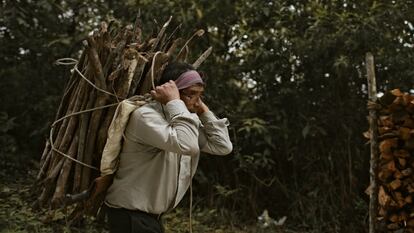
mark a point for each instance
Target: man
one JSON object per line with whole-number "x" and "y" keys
{"x": 160, "y": 152}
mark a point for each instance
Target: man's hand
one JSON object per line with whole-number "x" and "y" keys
{"x": 166, "y": 92}
{"x": 201, "y": 107}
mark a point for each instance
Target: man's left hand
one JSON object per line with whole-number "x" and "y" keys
{"x": 201, "y": 107}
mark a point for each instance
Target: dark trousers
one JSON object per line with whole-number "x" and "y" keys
{"x": 130, "y": 221}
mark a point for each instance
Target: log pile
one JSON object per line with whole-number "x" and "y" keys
{"x": 116, "y": 63}
{"x": 396, "y": 160}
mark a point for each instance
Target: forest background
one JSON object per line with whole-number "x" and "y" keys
{"x": 289, "y": 75}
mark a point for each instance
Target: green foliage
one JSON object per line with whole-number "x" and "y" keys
{"x": 18, "y": 216}
{"x": 289, "y": 75}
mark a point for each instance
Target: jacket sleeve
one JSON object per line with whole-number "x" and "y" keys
{"x": 214, "y": 135}
{"x": 179, "y": 134}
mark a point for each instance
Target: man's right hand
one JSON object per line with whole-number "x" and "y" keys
{"x": 166, "y": 92}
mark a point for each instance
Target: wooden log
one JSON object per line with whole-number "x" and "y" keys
{"x": 137, "y": 32}
{"x": 103, "y": 132}
{"x": 202, "y": 58}
{"x": 402, "y": 162}
{"x": 395, "y": 184}
{"x": 49, "y": 184}
{"x": 182, "y": 55}
{"x": 44, "y": 160}
{"x": 62, "y": 131}
{"x": 398, "y": 174}
{"x": 160, "y": 35}
{"x": 383, "y": 130}
{"x": 387, "y": 145}
{"x": 386, "y": 156}
{"x": 409, "y": 123}
{"x": 72, "y": 126}
{"x": 393, "y": 226}
{"x": 64, "y": 134}
{"x": 96, "y": 64}
{"x": 407, "y": 172}
{"x": 409, "y": 144}
{"x": 138, "y": 75}
{"x": 408, "y": 199}
{"x": 65, "y": 101}
{"x": 410, "y": 189}
{"x": 43, "y": 168}
{"x": 410, "y": 223}
{"x": 171, "y": 39}
{"x": 91, "y": 140}
{"x": 58, "y": 196}
{"x": 73, "y": 122}
{"x": 84, "y": 123}
{"x": 401, "y": 153}
{"x": 383, "y": 198}
{"x": 404, "y": 133}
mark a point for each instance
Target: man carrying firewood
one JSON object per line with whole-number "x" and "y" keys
{"x": 161, "y": 149}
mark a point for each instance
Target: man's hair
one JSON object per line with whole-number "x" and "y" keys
{"x": 173, "y": 70}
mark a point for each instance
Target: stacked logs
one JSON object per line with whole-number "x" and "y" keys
{"x": 396, "y": 160}
{"x": 116, "y": 63}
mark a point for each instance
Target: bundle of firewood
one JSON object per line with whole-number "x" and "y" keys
{"x": 116, "y": 63}
{"x": 396, "y": 160}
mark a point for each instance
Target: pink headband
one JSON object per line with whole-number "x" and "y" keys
{"x": 188, "y": 79}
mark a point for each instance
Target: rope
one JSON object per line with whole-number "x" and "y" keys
{"x": 65, "y": 155}
{"x": 191, "y": 195}
{"x": 74, "y": 62}
{"x": 152, "y": 70}
{"x": 71, "y": 61}
{"x": 83, "y": 111}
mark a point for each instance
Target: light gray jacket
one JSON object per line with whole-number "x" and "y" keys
{"x": 161, "y": 147}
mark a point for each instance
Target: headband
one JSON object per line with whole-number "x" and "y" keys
{"x": 188, "y": 79}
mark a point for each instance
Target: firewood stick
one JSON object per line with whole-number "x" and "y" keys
{"x": 137, "y": 32}
{"x": 62, "y": 130}
{"x": 64, "y": 174}
{"x": 49, "y": 184}
{"x": 173, "y": 47}
{"x": 65, "y": 101}
{"x": 84, "y": 123}
{"x": 96, "y": 115}
{"x": 73, "y": 121}
{"x": 103, "y": 132}
{"x": 91, "y": 139}
{"x": 138, "y": 74}
{"x": 160, "y": 35}
{"x": 170, "y": 37}
{"x": 109, "y": 61}
{"x": 125, "y": 85}
{"x": 122, "y": 91}
{"x": 66, "y": 106}
{"x": 45, "y": 152}
{"x": 44, "y": 161}
{"x": 202, "y": 58}
{"x": 96, "y": 64}
{"x": 184, "y": 49}
{"x": 71, "y": 86}
{"x": 69, "y": 124}
{"x": 182, "y": 56}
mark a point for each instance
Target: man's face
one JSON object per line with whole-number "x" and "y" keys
{"x": 191, "y": 97}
